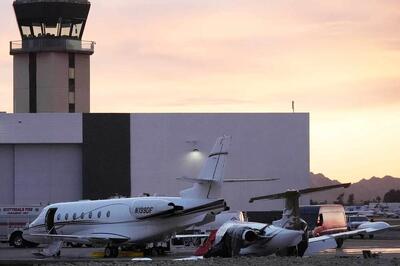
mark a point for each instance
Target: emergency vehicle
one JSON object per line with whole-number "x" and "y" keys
{"x": 13, "y": 219}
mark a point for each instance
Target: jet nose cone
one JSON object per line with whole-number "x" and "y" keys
{"x": 26, "y": 233}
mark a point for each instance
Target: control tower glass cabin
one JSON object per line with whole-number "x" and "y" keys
{"x": 51, "y": 62}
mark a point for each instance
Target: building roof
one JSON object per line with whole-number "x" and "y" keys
{"x": 44, "y": 1}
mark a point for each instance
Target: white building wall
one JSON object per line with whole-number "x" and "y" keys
{"x": 7, "y": 174}
{"x": 40, "y": 128}
{"x": 47, "y": 173}
{"x": 40, "y": 158}
{"x": 263, "y": 145}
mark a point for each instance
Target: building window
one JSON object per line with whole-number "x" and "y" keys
{"x": 71, "y": 85}
{"x": 71, "y": 108}
{"x": 71, "y": 73}
{"x": 108, "y": 214}
{"x": 71, "y": 60}
{"x": 32, "y": 83}
{"x": 26, "y": 31}
{"x": 71, "y": 97}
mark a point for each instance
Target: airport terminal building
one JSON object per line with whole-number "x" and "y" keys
{"x": 53, "y": 149}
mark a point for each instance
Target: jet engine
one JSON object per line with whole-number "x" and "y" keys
{"x": 234, "y": 239}
{"x": 249, "y": 236}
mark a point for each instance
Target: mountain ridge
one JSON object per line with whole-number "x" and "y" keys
{"x": 363, "y": 190}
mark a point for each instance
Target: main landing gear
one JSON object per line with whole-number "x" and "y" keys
{"x": 111, "y": 252}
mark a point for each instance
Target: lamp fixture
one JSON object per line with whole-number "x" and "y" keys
{"x": 194, "y": 145}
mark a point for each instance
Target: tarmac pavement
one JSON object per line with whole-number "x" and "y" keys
{"x": 388, "y": 250}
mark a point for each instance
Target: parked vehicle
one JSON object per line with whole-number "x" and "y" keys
{"x": 392, "y": 215}
{"x": 354, "y": 221}
{"x": 325, "y": 219}
{"x": 13, "y": 219}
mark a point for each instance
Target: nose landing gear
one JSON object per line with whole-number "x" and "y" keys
{"x": 111, "y": 252}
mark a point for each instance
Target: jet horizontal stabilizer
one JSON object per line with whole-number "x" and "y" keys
{"x": 289, "y": 193}
{"x": 232, "y": 180}
{"x": 195, "y": 180}
{"x": 237, "y": 180}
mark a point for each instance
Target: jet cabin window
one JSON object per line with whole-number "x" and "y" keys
{"x": 66, "y": 216}
{"x": 98, "y": 214}
{"x": 74, "y": 216}
{"x": 108, "y": 214}
{"x": 82, "y": 215}
{"x": 58, "y": 217}
{"x": 90, "y": 215}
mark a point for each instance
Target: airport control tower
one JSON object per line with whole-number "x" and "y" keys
{"x": 51, "y": 62}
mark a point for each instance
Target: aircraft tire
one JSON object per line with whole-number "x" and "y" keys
{"x": 108, "y": 252}
{"x": 115, "y": 252}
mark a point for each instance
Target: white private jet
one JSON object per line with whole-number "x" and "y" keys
{"x": 287, "y": 236}
{"x": 138, "y": 220}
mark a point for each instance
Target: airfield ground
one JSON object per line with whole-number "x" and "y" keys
{"x": 386, "y": 245}
{"x": 350, "y": 254}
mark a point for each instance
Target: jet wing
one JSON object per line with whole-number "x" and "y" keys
{"x": 317, "y": 244}
{"x": 320, "y": 243}
{"x": 95, "y": 238}
{"x": 365, "y": 228}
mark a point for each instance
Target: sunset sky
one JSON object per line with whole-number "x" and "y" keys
{"x": 338, "y": 60}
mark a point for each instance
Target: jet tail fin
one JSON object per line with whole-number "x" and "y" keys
{"x": 291, "y": 213}
{"x": 209, "y": 182}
